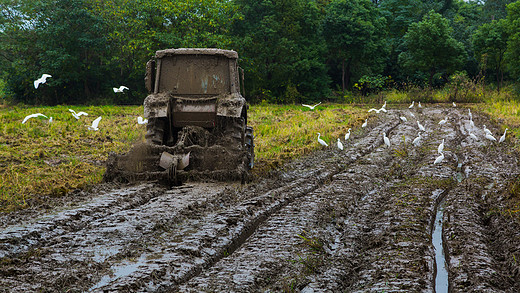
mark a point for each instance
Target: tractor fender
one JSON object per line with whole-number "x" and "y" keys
{"x": 156, "y": 105}
{"x": 230, "y": 105}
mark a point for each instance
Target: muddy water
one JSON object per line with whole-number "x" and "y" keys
{"x": 358, "y": 220}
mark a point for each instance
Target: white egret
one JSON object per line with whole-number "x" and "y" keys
{"x": 384, "y": 105}
{"x": 421, "y": 127}
{"x": 411, "y": 106}
{"x": 321, "y": 141}
{"x": 441, "y": 147}
{"x": 386, "y": 140}
{"x": 41, "y": 80}
{"x": 340, "y": 145}
{"x": 120, "y": 89}
{"x": 32, "y": 116}
{"x": 403, "y": 118}
{"x": 365, "y": 123}
{"x": 454, "y": 105}
{"x": 490, "y": 137}
{"x": 439, "y": 159}
{"x": 77, "y": 115}
{"x": 411, "y": 114}
{"x": 473, "y": 135}
{"x": 376, "y": 110}
{"x": 140, "y": 120}
{"x": 311, "y": 107}
{"x": 487, "y": 131}
{"x": 503, "y": 137}
{"x": 443, "y": 121}
{"x": 417, "y": 139}
{"x": 95, "y": 124}
{"x": 50, "y": 120}
{"x": 470, "y": 115}
{"x": 419, "y": 105}
{"x": 347, "y": 135}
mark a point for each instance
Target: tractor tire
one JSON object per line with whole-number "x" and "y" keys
{"x": 155, "y": 130}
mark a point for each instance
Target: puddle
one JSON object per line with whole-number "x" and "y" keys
{"x": 441, "y": 276}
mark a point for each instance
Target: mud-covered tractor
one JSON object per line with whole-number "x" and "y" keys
{"x": 197, "y": 121}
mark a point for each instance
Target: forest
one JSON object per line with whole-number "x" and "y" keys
{"x": 292, "y": 51}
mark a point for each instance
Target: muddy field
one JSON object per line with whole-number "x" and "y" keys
{"x": 357, "y": 220}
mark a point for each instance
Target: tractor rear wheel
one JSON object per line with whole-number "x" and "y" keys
{"x": 155, "y": 130}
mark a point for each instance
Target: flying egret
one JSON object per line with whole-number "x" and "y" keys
{"x": 503, "y": 137}
{"x": 95, "y": 124}
{"x": 77, "y": 115}
{"x": 419, "y": 105}
{"x": 421, "y": 127}
{"x": 453, "y": 104}
{"x": 340, "y": 145}
{"x": 347, "y": 135}
{"x": 311, "y": 107}
{"x": 473, "y": 135}
{"x": 41, "y": 80}
{"x": 439, "y": 159}
{"x": 403, "y": 118}
{"x": 441, "y": 147}
{"x": 411, "y": 106}
{"x": 321, "y": 141}
{"x": 490, "y": 137}
{"x": 386, "y": 140}
{"x": 365, "y": 123}
{"x": 417, "y": 139}
{"x": 140, "y": 120}
{"x": 120, "y": 89}
{"x": 376, "y": 110}
{"x": 32, "y": 116}
{"x": 443, "y": 121}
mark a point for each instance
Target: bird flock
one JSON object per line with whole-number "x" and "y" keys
{"x": 77, "y": 115}
{"x": 421, "y": 129}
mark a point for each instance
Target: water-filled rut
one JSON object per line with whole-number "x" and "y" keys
{"x": 356, "y": 220}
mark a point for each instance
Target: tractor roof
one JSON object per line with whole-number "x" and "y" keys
{"x": 196, "y": 51}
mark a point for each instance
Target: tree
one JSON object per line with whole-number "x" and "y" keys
{"x": 430, "y": 47}
{"x": 513, "y": 44}
{"x": 490, "y": 42}
{"x": 355, "y": 33}
{"x": 281, "y": 49}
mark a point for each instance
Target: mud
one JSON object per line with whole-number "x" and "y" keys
{"x": 358, "y": 220}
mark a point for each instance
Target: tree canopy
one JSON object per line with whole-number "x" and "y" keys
{"x": 291, "y": 51}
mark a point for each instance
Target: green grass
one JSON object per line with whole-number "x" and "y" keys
{"x": 42, "y": 158}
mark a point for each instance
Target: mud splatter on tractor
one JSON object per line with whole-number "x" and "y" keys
{"x": 197, "y": 121}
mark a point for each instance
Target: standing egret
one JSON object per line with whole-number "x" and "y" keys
{"x": 41, "y": 80}
{"x": 470, "y": 115}
{"x": 439, "y": 159}
{"x": 487, "y": 131}
{"x": 441, "y": 147}
{"x": 473, "y": 135}
{"x": 419, "y": 105}
{"x": 443, "y": 121}
{"x": 311, "y": 107}
{"x": 347, "y": 135}
{"x": 411, "y": 106}
{"x": 421, "y": 127}
{"x": 411, "y": 114}
{"x": 365, "y": 123}
{"x": 95, "y": 124}
{"x": 340, "y": 145}
{"x": 490, "y": 137}
{"x": 32, "y": 116}
{"x": 503, "y": 137}
{"x": 417, "y": 139}
{"x": 403, "y": 118}
{"x": 321, "y": 141}
{"x": 386, "y": 140}
{"x": 454, "y": 105}
{"x": 50, "y": 120}
{"x": 140, "y": 120}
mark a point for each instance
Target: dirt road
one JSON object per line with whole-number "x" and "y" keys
{"x": 357, "y": 220}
